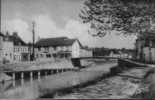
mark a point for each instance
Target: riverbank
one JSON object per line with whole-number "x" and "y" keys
{"x": 32, "y": 65}
{"x": 52, "y": 83}
{"x": 114, "y": 87}
{"x": 35, "y": 65}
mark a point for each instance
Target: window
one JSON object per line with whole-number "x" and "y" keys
{"x": 41, "y": 55}
{"x": 46, "y": 49}
{"x": 18, "y": 50}
{"x": 14, "y": 57}
{"x": 23, "y": 49}
{"x": 54, "y": 48}
{"x": 58, "y": 48}
{"x": 36, "y": 55}
{"x": 48, "y": 55}
{"x": 39, "y": 49}
{"x": 14, "y": 49}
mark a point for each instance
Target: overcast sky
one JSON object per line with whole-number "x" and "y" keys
{"x": 54, "y": 18}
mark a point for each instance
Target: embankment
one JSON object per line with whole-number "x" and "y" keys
{"x": 124, "y": 64}
{"x": 47, "y": 87}
{"x": 51, "y": 84}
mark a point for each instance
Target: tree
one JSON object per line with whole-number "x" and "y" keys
{"x": 125, "y": 16}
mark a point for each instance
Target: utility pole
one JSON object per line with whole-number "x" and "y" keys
{"x": 33, "y": 38}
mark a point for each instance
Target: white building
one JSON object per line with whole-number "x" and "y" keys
{"x": 13, "y": 48}
{"x": 7, "y": 51}
{"x": 145, "y": 47}
{"x": 114, "y": 54}
{"x": 85, "y": 52}
{"x": 1, "y": 46}
{"x": 21, "y": 53}
{"x": 60, "y": 47}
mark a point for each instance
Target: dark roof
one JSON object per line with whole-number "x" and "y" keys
{"x": 1, "y": 34}
{"x": 58, "y": 41}
{"x": 15, "y": 39}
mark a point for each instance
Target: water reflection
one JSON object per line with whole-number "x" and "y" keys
{"x": 22, "y": 82}
{"x": 12, "y": 84}
{"x": 5, "y": 86}
{"x": 111, "y": 88}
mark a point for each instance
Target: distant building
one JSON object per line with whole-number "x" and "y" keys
{"x": 114, "y": 53}
{"x": 21, "y": 52}
{"x": 86, "y": 52}
{"x": 127, "y": 53}
{"x": 6, "y": 49}
{"x": 145, "y": 47}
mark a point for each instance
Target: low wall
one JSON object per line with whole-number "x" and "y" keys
{"x": 51, "y": 84}
{"x": 124, "y": 64}
{"x": 129, "y": 63}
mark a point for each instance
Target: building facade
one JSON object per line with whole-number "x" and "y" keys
{"x": 145, "y": 48}
{"x": 7, "y": 51}
{"x": 1, "y": 46}
{"x": 60, "y": 47}
{"x": 86, "y": 52}
{"x": 13, "y": 48}
{"x": 21, "y": 51}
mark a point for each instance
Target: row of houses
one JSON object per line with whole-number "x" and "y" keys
{"x": 118, "y": 53}
{"x": 14, "y": 49}
{"x": 61, "y": 47}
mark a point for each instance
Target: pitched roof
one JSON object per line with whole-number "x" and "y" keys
{"x": 15, "y": 39}
{"x": 1, "y": 34}
{"x": 58, "y": 41}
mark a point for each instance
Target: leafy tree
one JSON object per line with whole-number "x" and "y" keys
{"x": 124, "y": 16}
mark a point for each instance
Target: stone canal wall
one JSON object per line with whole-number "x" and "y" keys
{"x": 47, "y": 87}
{"x": 126, "y": 64}
{"x": 129, "y": 63}
{"x": 51, "y": 84}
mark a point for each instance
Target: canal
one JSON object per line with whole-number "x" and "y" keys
{"x": 115, "y": 87}
{"x": 112, "y": 87}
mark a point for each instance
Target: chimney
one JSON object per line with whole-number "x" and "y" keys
{"x": 7, "y": 36}
{"x": 7, "y": 33}
{"x": 15, "y": 34}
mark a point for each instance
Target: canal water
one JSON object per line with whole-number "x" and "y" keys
{"x": 16, "y": 85}
{"x": 111, "y": 88}
{"x": 13, "y": 84}
{"x": 116, "y": 87}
